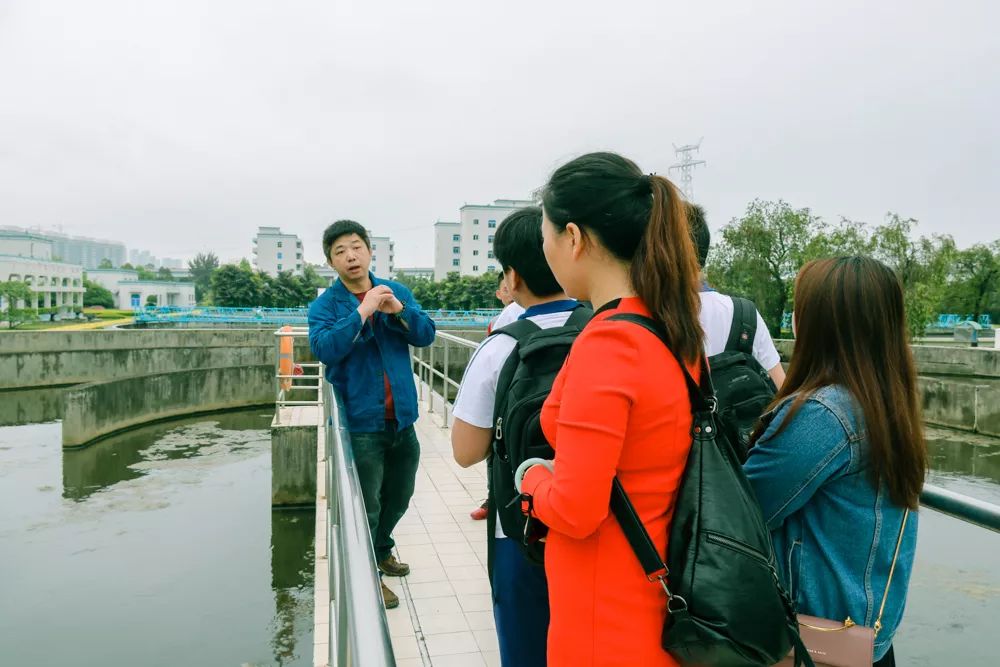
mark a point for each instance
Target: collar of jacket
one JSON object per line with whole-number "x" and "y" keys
{"x": 339, "y": 290}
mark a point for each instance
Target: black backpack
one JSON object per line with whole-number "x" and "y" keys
{"x": 743, "y": 388}
{"x": 726, "y": 606}
{"x": 524, "y": 384}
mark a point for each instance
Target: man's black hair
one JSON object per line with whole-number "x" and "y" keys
{"x": 518, "y": 245}
{"x": 343, "y": 228}
{"x": 700, "y": 234}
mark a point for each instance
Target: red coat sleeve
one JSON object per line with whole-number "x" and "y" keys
{"x": 602, "y": 376}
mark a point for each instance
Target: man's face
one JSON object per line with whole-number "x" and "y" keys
{"x": 350, "y": 257}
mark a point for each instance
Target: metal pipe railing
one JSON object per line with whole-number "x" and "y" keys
{"x": 359, "y": 631}
{"x": 427, "y": 372}
{"x": 959, "y": 506}
{"x": 310, "y": 380}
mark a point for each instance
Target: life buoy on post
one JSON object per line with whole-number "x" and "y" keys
{"x": 285, "y": 363}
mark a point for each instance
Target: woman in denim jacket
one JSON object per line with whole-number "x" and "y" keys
{"x": 841, "y": 455}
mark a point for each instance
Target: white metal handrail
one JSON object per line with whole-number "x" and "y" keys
{"x": 310, "y": 380}
{"x": 359, "y": 630}
{"x": 428, "y": 374}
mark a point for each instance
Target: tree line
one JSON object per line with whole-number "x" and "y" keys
{"x": 760, "y": 253}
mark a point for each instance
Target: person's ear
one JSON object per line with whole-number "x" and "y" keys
{"x": 577, "y": 239}
{"x": 513, "y": 281}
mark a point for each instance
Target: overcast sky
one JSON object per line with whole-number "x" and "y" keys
{"x": 181, "y": 126}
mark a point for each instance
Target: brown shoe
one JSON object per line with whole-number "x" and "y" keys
{"x": 390, "y": 599}
{"x": 393, "y": 567}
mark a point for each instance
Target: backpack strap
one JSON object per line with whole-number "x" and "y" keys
{"x": 743, "y": 328}
{"x": 621, "y": 506}
{"x": 579, "y": 316}
{"x": 517, "y": 329}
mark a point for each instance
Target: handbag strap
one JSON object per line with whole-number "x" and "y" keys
{"x": 892, "y": 570}
{"x": 621, "y": 506}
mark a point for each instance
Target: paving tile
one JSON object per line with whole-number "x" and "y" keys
{"x": 466, "y": 572}
{"x": 453, "y": 548}
{"x": 471, "y": 587}
{"x": 476, "y": 602}
{"x": 399, "y": 622}
{"x": 480, "y": 620}
{"x": 451, "y": 643}
{"x": 460, "y": 660}
{"x": 486, "y": 639}
{"x": 452, "y": 560}
{"x": 492, "y": 658}
{"x": 405, "y": 647}
{"x": 412, "y": 662}
{"x": 435, "y": 624}
{"x": 422, "y": 575}
{"x": 448, "y": 604}
{"x": 433, "y": 589}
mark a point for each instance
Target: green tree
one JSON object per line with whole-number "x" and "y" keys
{"x": 760, "y": 254}
{"x": 237, "y": 286}
{"x": 151, "y": 301}
{"x": 164, "y": 274}
{"x": 202, "y": 267}
{"x": 922, "y": 264}
{"x": 314, "y": 280}
{"x": 105, "y": 264}
{"x": 97, "y": 295}
{"x": 975, "y": 280}
{"x": 12, "y": 292}
{"x": 147, "y": 272}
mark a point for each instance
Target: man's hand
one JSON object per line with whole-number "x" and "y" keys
{"x": 374, "y": 300}
{"x": 392, "y": 305}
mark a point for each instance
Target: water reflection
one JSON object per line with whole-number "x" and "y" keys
{"x": 154, "y": 551}
{"x": 292, "y": 560}
{"x": 31, "y": 406}
{"x": 965, "y": 462}
{"x": 133, "y": 454}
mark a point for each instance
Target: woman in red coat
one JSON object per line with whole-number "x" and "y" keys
{"x": 619, "y": 239}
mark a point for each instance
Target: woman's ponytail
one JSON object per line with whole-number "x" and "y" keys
{"x": 665, "y": 271}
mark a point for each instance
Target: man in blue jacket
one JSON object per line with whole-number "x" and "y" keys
{"x": 362, "y": 328}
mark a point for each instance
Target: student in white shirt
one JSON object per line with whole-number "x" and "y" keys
{"x": 717, "y": 309}
{"x": 520, "y": 593}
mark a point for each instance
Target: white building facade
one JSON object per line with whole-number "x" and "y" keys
{"x": 467, "y": 246}
{"x": 134, "y": 294}
{"x": 27, "y": 257}
{"x": 383, "y": 255}
{"x": 274, "y": 252}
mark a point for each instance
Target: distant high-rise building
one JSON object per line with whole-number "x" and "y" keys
{"x": 86, "y": 251}
{"x": 467, "y": 246}
{"x": 170, "y": 263}
{"x": 383, "y": 255}
{"x": 142, "y": 258}
{"x": 275, "y": 252}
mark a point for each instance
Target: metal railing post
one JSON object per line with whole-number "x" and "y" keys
{"x": 430, "y": 383}
{"x": 444, "y": 380}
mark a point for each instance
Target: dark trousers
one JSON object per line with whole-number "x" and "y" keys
{"x": 888, "y": 660}
{"x": 387, "y": 468}
{"x": 520, "y": 606}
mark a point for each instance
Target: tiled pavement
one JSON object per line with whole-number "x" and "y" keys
{"x": 445, "y": 616}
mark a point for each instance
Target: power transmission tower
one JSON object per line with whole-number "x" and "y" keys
{"x": 686, "y": 166}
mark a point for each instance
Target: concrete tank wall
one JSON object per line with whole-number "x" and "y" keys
{"x": 98, "y": 409}
{"x": 32, "y": 359}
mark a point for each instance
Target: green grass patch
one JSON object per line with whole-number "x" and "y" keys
{"x": 107, "y": 314}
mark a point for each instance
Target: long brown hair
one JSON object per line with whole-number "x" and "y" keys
{"x": 641, "y": 219}
{"x": 850, "y": 330}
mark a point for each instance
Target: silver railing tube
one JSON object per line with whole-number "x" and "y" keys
{"x": 428, "y": 374}
{"x": 359, "y": 631}
{"x": 959, "y": 506}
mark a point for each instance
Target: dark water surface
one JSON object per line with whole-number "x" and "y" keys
{"x": 157, "y": 547}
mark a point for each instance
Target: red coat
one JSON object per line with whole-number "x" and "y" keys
{"x": 619, "y": 406}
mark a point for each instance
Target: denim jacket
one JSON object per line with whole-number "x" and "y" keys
{"x": 357, "y": 354}
{"x": 834, "y": 533}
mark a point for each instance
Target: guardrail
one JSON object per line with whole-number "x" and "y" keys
{"x": 959, "y": 506}
{"x": 423, "y": 358}
{"x": 359, "y": 631}
{"x": 290, "y": 376}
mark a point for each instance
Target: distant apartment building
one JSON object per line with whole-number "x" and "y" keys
{"x": 28, "y": 257}
{"x": 85, "y": 251}
{"x": 274, "y": 252}
{"x": 142, "y": 258}
{"x": 466, "y": 246}
{"x": 383, "y": 255}
{"x": 171, "y": 263}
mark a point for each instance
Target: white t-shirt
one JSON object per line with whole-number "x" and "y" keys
{"x": 717, "y": 318}
{"x": 478, "y": 392}
{"x": 509, "y": 314}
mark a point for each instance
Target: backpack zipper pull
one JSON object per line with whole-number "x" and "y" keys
{"x": 499, "y": 429}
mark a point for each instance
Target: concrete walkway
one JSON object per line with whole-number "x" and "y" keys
{"x": 445, "y": 616}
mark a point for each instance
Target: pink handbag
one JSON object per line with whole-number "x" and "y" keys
{"x": 844, "y": 643}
